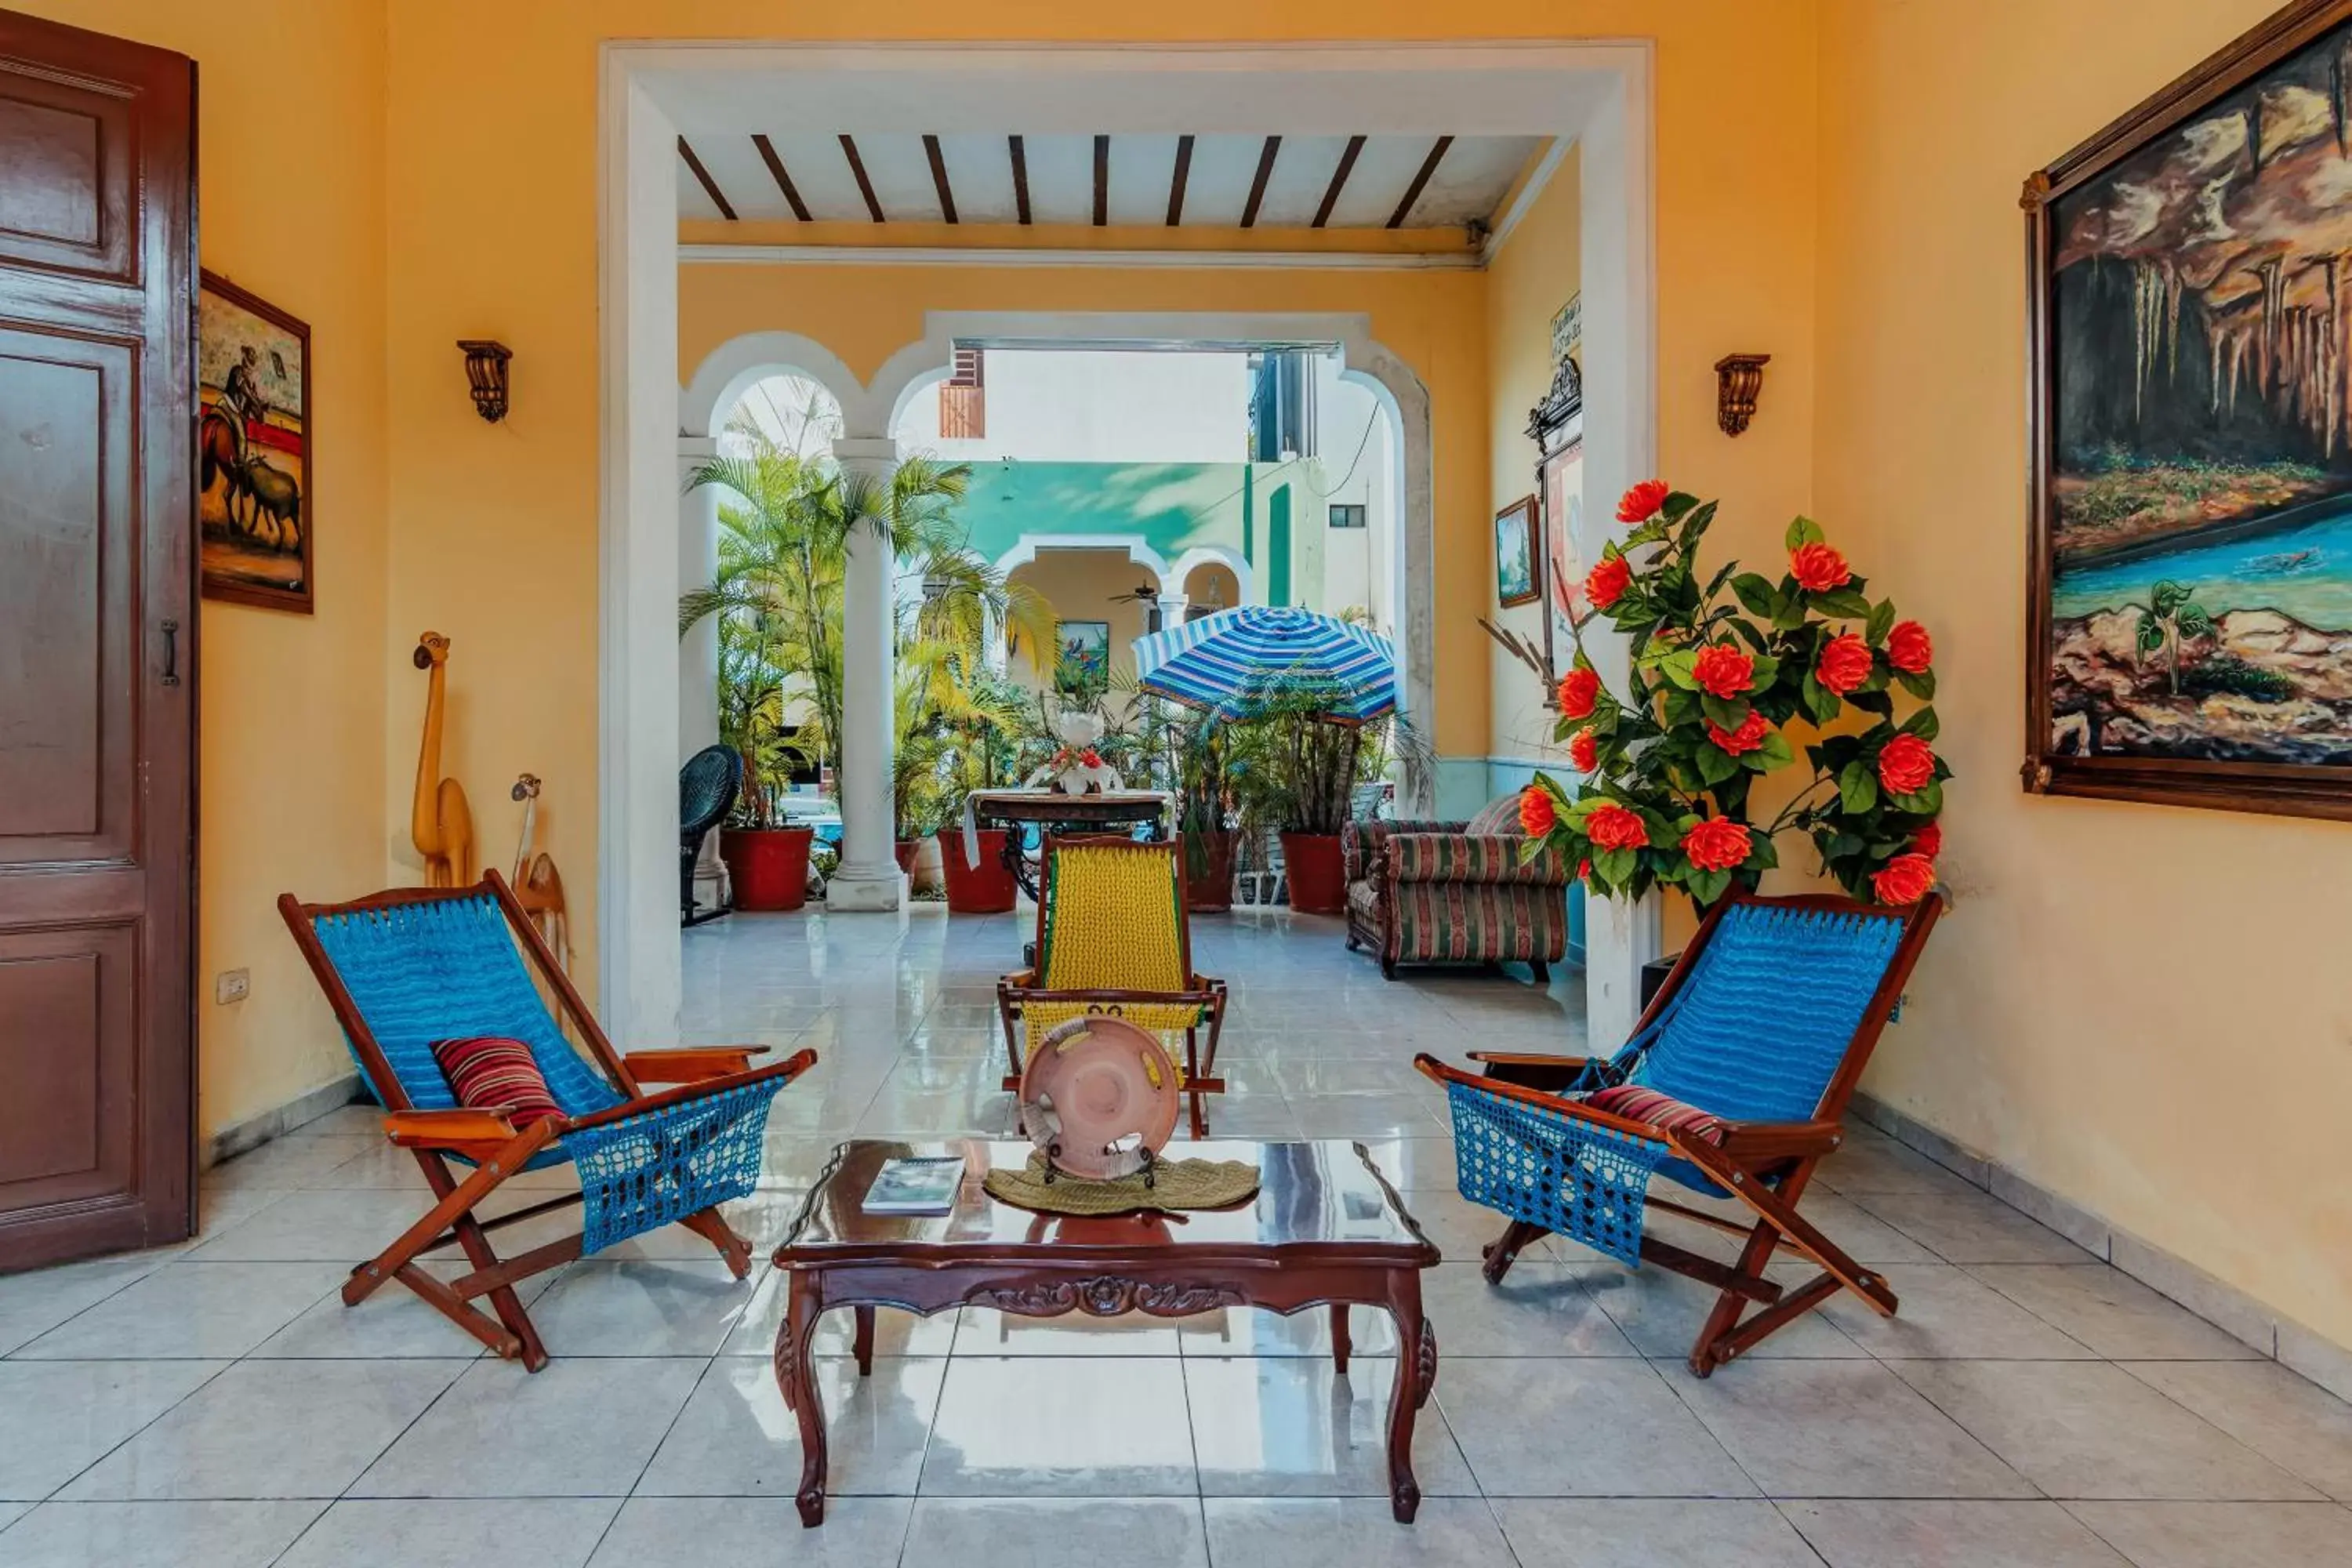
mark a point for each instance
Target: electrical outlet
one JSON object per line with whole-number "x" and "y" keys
{"x": 232, "y": 985}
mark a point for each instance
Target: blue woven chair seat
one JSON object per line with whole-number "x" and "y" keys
{"x": 435, "y": 970}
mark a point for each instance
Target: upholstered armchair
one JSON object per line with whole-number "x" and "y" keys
{"x": 1454, "y": 893}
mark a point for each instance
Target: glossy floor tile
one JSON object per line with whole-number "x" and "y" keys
{"x": 216, "y": 1405}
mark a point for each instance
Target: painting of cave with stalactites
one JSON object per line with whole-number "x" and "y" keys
{"x": 2198, "y": 520}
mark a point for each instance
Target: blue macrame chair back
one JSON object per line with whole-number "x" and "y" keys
{"x": 1759, "y": 1025}
{"x": 443, "y": 968}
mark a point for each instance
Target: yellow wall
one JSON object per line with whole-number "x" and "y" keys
{"x": 290, "y": 145}
{"x": 1527, "y": 281}
{"x": 2110, "y": 971}
{"x": 1432, "y": 320}
{"x": 1080, "y": 585}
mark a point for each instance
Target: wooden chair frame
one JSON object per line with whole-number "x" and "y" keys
{"x": 496, "y": 1147}
{"x": 1764, "y": 1165}
{"x": 1018, "y": 989}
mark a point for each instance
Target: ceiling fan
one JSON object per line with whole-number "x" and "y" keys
{"x": 1147, "y": 596}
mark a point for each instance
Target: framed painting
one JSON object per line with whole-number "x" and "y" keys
{"x": 1082, "y": 661}
{"x": 1559, "y": 480}
{"x": 1515, "y": 553}
{"x": 2190, "y": 610}
{"x": 256, "y": 487}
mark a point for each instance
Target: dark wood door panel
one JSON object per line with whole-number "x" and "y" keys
{"x": 68, "y": 750}
{"x": 68, "y": 1132}
{"x": 97, "y": 600}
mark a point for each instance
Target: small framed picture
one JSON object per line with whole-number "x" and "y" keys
{"x": 1514, "y": 554}
{"x": 254, "y": 476}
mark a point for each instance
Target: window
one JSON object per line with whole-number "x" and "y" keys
{"x": 963, "y": 399}
{"x": 1347, "y": 514}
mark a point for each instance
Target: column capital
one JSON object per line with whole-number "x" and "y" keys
{"x": 697, "y": 449}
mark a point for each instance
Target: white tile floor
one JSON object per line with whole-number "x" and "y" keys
{"x": 215, "y": 1404}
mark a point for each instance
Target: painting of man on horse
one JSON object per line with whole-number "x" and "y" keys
{"x": 253, "y": 448}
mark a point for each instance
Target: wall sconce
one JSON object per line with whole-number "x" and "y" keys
{"x": 486, "y": 372}
{"x": 1739, "y": 378}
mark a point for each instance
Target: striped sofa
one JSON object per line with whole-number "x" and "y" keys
{"x": 1454, "y": 893}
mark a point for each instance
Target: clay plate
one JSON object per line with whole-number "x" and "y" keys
{"x": 1103, "y": 1090}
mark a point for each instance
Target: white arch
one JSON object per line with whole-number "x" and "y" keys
{"x": 737, "y": 365}
{"x": 1212, "y": 555}
{"x": 1025, "y": 551}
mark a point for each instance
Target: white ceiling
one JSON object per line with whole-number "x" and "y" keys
{"x": 1469, "y": 182}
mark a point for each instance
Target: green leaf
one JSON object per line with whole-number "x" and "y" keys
{"x": 1697, "y": 524}
{"x": 1767, "y": 669}
{"x": 1681, "y": 707}
{"x": 1847, "y": 603}
{"x": 2166, "y": 597}
{"x": 1926, "y": 801}
{"x": 1761, "y": 856}
{"x": 1676, "y": 667}
{"x": 1714, "y": 764}
{"x": 1923, "y": 724}
{"x": 1755, "y": 592}
{"x": 1804, "y": 530}
{"x": 1922, "y": 685}
{"x": 1857, "y": 788}
{"x": 1775, "y": 753}
{"x": 1678, "y": 503}
{"x": 1790, "y": 616}
{"x": 2150, "y": 634}
{"x": 1708, "y": 886}
{"x": 1615, "y": 864}
{"x": 1822, "y": 704}
{"x": 1730, "y": 712}
{"x": 1747, "y": 633}
{"x": 1882, "y": 621}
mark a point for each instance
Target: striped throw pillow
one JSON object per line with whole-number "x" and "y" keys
{"x": 492, "y": 1072}
{"x": 1635, "y": 1103}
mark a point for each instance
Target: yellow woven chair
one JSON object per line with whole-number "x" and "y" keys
{"x": 1112, "y": 938}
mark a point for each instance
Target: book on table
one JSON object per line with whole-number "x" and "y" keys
{"x": 922, "y": 1185}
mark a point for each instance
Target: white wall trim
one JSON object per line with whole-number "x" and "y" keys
{"x": 739, "y": 364}
{"x": 1208, "y": 555}
{"x": 1026, "y": 550}
{"x": 709, "y": 254}
{"x": 1524, "y": 199}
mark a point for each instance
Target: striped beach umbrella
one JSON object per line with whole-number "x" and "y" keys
{"x": 1233, "y": 659}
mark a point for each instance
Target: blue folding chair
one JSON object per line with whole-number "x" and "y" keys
{"x": 1733, "y": 1085}
{"x": 406, "y": 968}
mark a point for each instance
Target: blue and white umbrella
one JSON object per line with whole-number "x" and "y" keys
{"x": 1234, "y": 659}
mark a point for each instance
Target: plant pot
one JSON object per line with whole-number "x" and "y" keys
{"x": 1208, "y": 871}
{"x": 768, "y": 867}
{"x": 986, "y": 889}
{"x": 921, "y": 859}
{"x": 1318, "y": 885}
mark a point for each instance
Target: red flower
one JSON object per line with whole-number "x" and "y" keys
{"x": 1605, "y": 584}
{"x": 1615, "y": 827}
{"x": 1905, "y": 880}
{"x": 1536, "y": 815}
{"x": 1716, "y": 844}
{"x": 1584, "y": 751}
{"x": 1905, "y": 766}
{"x": 1724, "y": 670}
{"x": 1583, "y": 869}
{"x": 1091, "y": 757}
{"x": 1910, "y": 649}
{"x": 1818, "y": 568}
{"x": 1580, "y": 689}
{"x": 1845, "y": 663}
{"x": 1743, "y": 740}
{"x": 1929, "y": 841}
{"x": 1641, "y": 502}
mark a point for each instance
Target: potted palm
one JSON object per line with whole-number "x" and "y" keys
{"x": 1297, "y": 771}
{"x": 766, "y": 858}
{"x": 985, "y": 753}
{"x": 1196, "y": 767}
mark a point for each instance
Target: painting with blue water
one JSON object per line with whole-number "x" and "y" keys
{"x": 2195, "y": 523}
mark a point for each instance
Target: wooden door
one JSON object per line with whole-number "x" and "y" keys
{"x": 97, "y": 642}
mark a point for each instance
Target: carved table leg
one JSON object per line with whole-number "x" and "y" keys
{"x": 1404, "y": 1400}
{"x": 792, "y": 1373}
{"x": 1425, "y": 1364}
{"x": 863, "y": 1344}
{"x": 1340, "y": 1344}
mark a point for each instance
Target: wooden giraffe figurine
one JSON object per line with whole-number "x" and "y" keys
{"x": 538, "y": 885}
{"x": 438, "y": 821}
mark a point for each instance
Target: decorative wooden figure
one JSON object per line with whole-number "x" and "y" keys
{"x": 538, "y": 885}
{"x": 439, "y": 820}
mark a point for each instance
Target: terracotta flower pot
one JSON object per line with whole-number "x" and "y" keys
{"x": 921, "y": 859}
{"x": 1208, "y": 871}
{"x": 767, "y": 865}
{"x": 986, "y": 889}
{"x": 1317, "y": 884}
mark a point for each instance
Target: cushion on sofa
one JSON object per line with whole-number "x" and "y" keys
{"x": 1500, "y": 816}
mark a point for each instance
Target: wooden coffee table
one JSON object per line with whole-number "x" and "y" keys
{"x": 1324, "y": 1230}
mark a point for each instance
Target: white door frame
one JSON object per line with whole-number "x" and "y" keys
{"x": 1604, "y": 98}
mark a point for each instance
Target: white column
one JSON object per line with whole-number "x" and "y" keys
{"x": 869, "y": 878}
{"x": 698, "y": 563}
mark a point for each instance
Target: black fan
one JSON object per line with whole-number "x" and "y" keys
{"x": 707, "y": 787}
{"x": 1147, "y": 596}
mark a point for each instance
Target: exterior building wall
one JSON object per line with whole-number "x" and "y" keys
{"x": 1098, "y": 406}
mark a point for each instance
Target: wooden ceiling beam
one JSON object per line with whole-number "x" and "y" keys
{"x": 1176, "y": 182}
{"x": 865, "y": 186}
{"x": 939, "y": 177}
{"x": 1257, "y": 186}
{"x": 710, "y": 185}
{"x": 1338, "y": 179}
{"x": 1102, "y": 181}
{"x": 1420, "y": 180}
{"x": 783, "y": 181}
{"x": 1020, "y": 176}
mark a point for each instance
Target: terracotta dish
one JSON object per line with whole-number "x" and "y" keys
{"x": 1098, "y": 1096}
